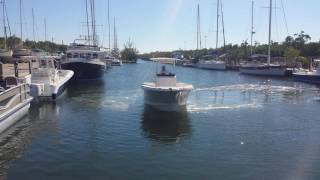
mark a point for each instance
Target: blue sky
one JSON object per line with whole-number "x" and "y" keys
{"x": 165, "y": 25}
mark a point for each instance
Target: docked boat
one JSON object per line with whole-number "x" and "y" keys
{"x": 268, "y": 69}
{"x": 86, "y": 61}
{"x": 116, "y": 62}
{"x": 208, "y": 62}
{"x": 312, "y": 76}
{"x": 47, "y": 82}
{"x": 14, "y": 96}
{"x": 165, "y": 93}
{"x": 84, "y": 56}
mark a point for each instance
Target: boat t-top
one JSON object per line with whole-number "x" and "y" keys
{"x": 165, "y": 93}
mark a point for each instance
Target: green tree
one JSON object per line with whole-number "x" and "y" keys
{"x": 129, "y": 53}
{"x": 291, "y": 54}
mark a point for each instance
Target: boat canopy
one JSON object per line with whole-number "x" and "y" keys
{"x": 164, "y": 60}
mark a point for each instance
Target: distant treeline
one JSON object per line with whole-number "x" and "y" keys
{"x": 296, "y": 47}
{"x": 14, "y": 42}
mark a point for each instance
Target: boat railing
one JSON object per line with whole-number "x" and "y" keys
{"x": 13, "y": 96}
{"x": 16, "y": 69}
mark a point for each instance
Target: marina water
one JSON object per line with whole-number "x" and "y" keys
{"x": 236, "y": 127}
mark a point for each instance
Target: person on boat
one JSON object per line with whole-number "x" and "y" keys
{"x": 163, "y": 70}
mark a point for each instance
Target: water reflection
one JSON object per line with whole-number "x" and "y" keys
{"x": 89, "y": 93}
{"x": 16, "y": 139}
{"x": 167, "y": 127}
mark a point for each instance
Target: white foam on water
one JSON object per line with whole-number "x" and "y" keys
{"x": 212, "y": 107}
{"x": 265, "y": 88}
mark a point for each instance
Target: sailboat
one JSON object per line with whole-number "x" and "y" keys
{"x": 213, "y": 62}
{"x": 5, "y": 52}
{"x": 115, "y": 53}
{"x": 84, "y": 56}
{"x": 255, "y": 68}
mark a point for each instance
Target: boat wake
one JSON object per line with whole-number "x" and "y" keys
{"x": 265, "y": 88}
{"x": 197, "y": 108}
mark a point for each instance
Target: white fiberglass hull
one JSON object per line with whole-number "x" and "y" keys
{"x": 14, "y": 115}
{"x": 212, "y": 65}
{"x": 166, "y": 100}
{"x": 45, "y": 91}
{"x": 264, "y": 70}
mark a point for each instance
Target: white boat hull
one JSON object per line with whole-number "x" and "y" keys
{"x": 264, "y": 71}
{"x": 212, "y": 66}
{"x": 163, "y": 100}
{"x": 14, "y": 116}
{"x": 43, "y": 91}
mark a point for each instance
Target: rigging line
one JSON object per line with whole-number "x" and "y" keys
{"x": 284, "y": 16}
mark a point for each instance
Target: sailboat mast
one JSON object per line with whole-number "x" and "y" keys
{"x": 4, "y": 25}
{"x": 93, "y": 23}
{"x": 270, "y": 23}
{"x": 33, "y": 25}
{"x": 115, "y": 43}
{"x": 198, "y": 26}
{"x": 217, "y": 33}
{"x": 109, "y": 24}
{"x": 252, "y": 30}
{"x": 222, "y": 21}
{"x": 88, "y": 25}
{"x": 21, "y": 20}
{"x": 45, "y": 29}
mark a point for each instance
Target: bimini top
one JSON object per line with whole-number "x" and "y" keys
{"x": 164, "y": 60}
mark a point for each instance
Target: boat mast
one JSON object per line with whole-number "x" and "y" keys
{"x": 217, "y": 33}
{"x": 45, "y": 30}
{"x": 21, "y": 21}
{"x": 109, "y": 25}
{"x": 222, "y": 21}
{"x": 252, "y": 28}
{"x": 115, "y": 42}
{"x": 4, "y": 25}
{"x": 198, "y": 28}
{"x": 270, "y": 22}
{"x": 88, "y": 26}
{"x": 93, "y": 23}
{"x": 33, "y": 24}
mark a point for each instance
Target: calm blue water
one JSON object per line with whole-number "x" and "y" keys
{"x": 236, "y": 127}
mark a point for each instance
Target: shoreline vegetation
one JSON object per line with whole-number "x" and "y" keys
{"x": 294, "y": 50}
{"x": 129, "y": 54}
